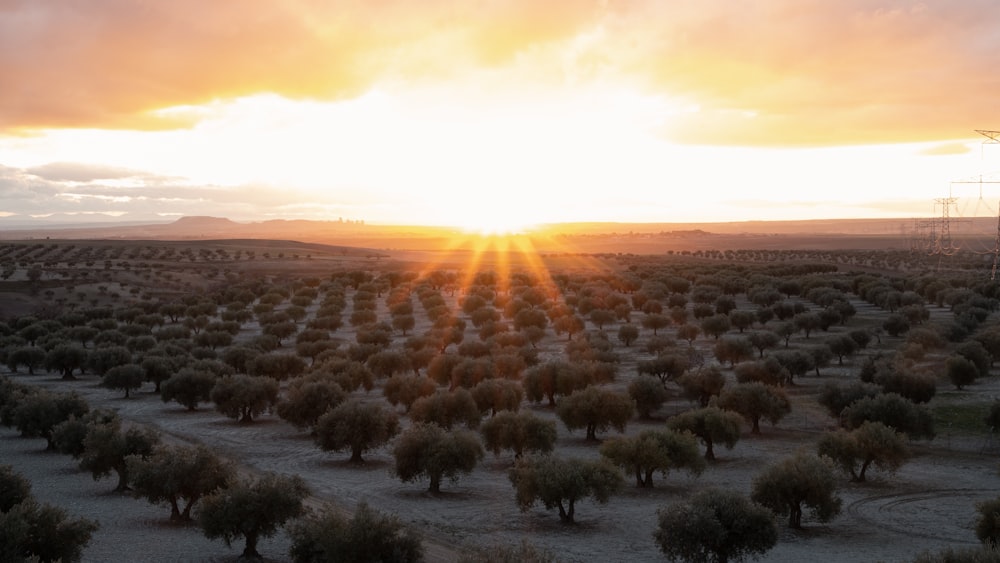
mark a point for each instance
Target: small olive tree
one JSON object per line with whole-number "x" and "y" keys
{"x": 357, "y": 426}
{"x": 427, "y": 450}
{"x": 368, "y": 536}
{"x": 712, "y": 424}
{"x": 800, "y": 480}
{"x": 559, "y": 483}
{"x": 243, "y": 396}
{"x": 756, "y": 401}
{"x": 715, "y": 526}
{"x": 872, "y": 443}
{"x": 173, "y": 474}
{"x": 654, "y": 450}
{"x": 107, "y": 446}
{"x": 252, "y": 510}
{"x": 518, "y": 432}
{"x": 596, "y": 410}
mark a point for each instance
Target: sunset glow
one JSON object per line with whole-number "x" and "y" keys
{"x": 493, "y": 118}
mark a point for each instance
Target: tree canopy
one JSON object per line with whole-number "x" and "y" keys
{"x": 559, "y": 483}
{"x": 252, "y": 509}
{"x": 715, "y": 526}
{"x": 802, "y": 479}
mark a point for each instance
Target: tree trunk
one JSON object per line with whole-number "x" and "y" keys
{"x": 795, "y": 517}
{"x": 649, "y": 478}
{"x": 122, "y": 480}
{"x": 864, "y": 467}
{"x": 592, "y": 432}
{"x": 756, "y": 426}
{"x": 246, "y": 417}
{"x": 186, "y": 515}
{"x": 638, "y": 477}
{"x": 566, "y": 516}
{"x": 709, "y": 451}
{"x": 356, "y": 456}
{"x": 175, "y": 512}
{"x": 68, "y": 376}
{"x": 435, "y": 486}
{"x": 250, "y": 550}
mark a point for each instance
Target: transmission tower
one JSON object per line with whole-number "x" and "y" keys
{"x": 944, "y": 244}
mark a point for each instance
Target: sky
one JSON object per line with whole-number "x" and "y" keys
{"x": 497, "y": 114}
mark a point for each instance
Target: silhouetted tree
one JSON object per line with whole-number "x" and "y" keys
{"x": 596, "y": 410}
{"x": 356, "y": 426}
{"x": 654, "y": 450}
{"x": 368, "y": 536}
{"x": 175, "y": 474}
{"x": 252, "y": 510}
{"x": 427, "y": 450}
{"x": 799, "y": 480}
{"x": 560, "y": 483}
{"x": 715, "y": 526}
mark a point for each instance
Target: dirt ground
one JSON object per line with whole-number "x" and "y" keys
{"x": 928, "y": 505}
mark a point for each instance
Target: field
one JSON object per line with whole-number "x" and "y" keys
{"x": 929, "y": 504}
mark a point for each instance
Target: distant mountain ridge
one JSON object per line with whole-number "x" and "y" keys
{"x": 551, "y": 237}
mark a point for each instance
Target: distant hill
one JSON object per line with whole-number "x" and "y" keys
{"x": 564, "y": 237}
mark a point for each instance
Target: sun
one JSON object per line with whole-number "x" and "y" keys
{"x": 497, "y": 226}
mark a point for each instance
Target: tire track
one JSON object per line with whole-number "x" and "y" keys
{"x": 919, "y": 514}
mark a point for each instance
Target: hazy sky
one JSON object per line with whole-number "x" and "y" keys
{"x": 493, "y": 113}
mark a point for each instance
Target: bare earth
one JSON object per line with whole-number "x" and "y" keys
{"x": 928, "y": 505}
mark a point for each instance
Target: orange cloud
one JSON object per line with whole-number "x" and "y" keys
{"x": 771, "y": 72}
{"x": 107, "y": 64}
{"x": 819, "y": 72}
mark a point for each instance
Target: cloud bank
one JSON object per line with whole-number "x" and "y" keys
{"x": 773, "y": 72}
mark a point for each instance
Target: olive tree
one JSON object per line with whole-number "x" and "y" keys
{"x": 252, "y": 509}
{"x": 654, "y": 450}
{"x": 127, "y": 377}
{"x": 872, "y": 443}
{"x": 357, "y": 426}
{"x": 715, "y": 526}
{"x": 495, "y": 395}
{"x": 405, "y": 389}
{"x": 549, "y": 379}
{"x": 307, "y": 399}
{"x": 518, "y": 432}
{"x": 892, "y": 410}
{"x": 368, "y": 536}
{"x": 800, "y": 480}
{"x": 447, "y": 409}
{"x": 243, "y": 396}
{"x": 68, "y": 435}
{"x": 648, "y": 394}
{"x": 37, "y": 413}
{"x": 712, "y": 424}
{"x": 188, "y": 387}
{"x": 34, "y": 531}
{"x": 756, "y": 401}
{"x": 107, "y": 446}
{"x": 427, "y": 450}
{"x": 559, "y": 483}
{"x": 596, "y": 410}
{"x": 702, "y": 384}
{"x": 173, "y": 474}
{"x": 988, "y": 524}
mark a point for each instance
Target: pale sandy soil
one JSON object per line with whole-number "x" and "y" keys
{"x": 929, "y": 504}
